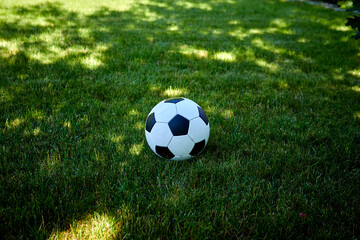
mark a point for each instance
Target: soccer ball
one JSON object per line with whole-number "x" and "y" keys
{"x": 177, "y": 129}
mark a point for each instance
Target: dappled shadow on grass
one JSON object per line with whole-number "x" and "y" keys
{"x": 76, "y": 90}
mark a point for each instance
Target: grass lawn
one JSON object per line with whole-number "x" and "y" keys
{"x": 279, "y": 81}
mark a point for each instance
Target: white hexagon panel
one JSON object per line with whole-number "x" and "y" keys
{"x": 187, "y": 109}
{"x": 199, "y": 130}
{"x": 181, "y": 146}
{"x": 164, "y": 111}
{"x": 161, "y": 134}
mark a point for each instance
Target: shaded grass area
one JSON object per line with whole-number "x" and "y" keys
{"x": 279, "y": 82}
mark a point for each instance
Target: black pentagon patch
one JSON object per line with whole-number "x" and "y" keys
{"x": 174, "y": 100}
{"x": 179, "y": 125}
{"x": 150, "y": 122}
{"x": 164, "y": 152}
{"x": 203, "y": 116}
{"x": 197, "y": 148}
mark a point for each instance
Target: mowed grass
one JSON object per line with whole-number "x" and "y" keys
{"x": 279, "y": 81}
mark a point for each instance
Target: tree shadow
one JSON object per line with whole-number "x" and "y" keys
{"x": 75, "y": 92}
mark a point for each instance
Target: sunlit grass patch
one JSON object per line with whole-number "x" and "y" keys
{"x": 116, "y": 138}
{"x": 14, "y": 123}
{"x": 134, "y": 112}
{"x": 355, "y": 73}
{"x": 191, "y": 51}
{"x": 36, "y": 131}
{"x": 95, "y": 226}
{"x": 356, "y": 88}
{"x": 5, "y": 95}
{"x": 136, "y": 149}
{"x": 173, "y": 28}
{"x": 264, "y": 64}
{"x": 225, "y": 56}
{"x": 357, "y": 115}
{"x": 227, "y": 113}
{"x": 190, "y": 5}
{"x": 139, "y": 125}
{"x": 94, "y": 59}
{"x": 175, "y": 92}
{"x": 67, "y": 125}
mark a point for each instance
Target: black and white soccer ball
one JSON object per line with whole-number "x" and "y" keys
{"x": 177, "y": 129}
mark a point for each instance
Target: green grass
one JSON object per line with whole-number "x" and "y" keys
{"x": 279, "y": 81}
